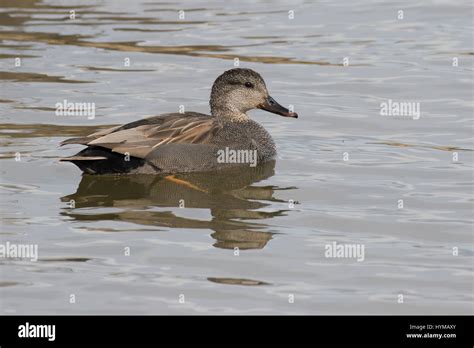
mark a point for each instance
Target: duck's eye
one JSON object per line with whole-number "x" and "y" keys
{"x": 249, "y": 84}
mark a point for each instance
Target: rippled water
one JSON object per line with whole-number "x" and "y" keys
{"x": 344, "y": 166}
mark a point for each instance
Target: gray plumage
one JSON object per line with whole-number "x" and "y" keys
{"x": 187, "y": 142}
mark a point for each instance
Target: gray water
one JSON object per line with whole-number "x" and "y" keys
{"x": 239, "y": 245}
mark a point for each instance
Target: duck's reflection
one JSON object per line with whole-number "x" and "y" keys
{"x": 230, "y": 195}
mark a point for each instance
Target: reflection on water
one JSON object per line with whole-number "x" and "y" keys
{"x": 231, "y": 196}
{"x": 33, "y": 77}
{"x": 237, "y": 281}
{"x": 45, "y": 130}
{"x": 23, "y": 17}
{"x": 190, "y": 50}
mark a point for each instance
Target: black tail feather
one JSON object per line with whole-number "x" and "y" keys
{"x": 99, "y": 160}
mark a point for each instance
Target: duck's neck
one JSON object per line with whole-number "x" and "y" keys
{"x": 229, "y": 114}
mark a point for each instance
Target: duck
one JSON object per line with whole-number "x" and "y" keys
{"x": 190, "y": 141}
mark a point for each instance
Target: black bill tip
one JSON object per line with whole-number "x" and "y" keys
{"x": 272, "y": 106}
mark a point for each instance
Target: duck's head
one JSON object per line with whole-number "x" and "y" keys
{"x": 237, "y": 91}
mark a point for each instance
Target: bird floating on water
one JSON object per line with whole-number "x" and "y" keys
{"x": 190, "y": 141}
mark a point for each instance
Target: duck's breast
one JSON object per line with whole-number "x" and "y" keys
{"x": 248, "y": 135}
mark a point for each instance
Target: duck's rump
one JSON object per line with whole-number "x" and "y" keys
{"x": 97, "y": 160}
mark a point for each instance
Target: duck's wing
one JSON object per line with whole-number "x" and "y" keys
{"x": 141, "y": 137}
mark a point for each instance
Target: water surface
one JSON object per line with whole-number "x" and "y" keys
{"x": 341, "y": 169}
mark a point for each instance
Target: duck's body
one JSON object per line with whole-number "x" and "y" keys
{"x": 185, "y": 142}
{"x": 170, "y": 143}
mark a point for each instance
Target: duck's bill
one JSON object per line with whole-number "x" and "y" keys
{"x": 271, "y": 105}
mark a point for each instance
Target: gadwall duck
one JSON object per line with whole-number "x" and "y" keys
{"x": 190, "y": 141}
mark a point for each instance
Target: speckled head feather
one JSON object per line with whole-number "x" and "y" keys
{"x": 235, "y": 92}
